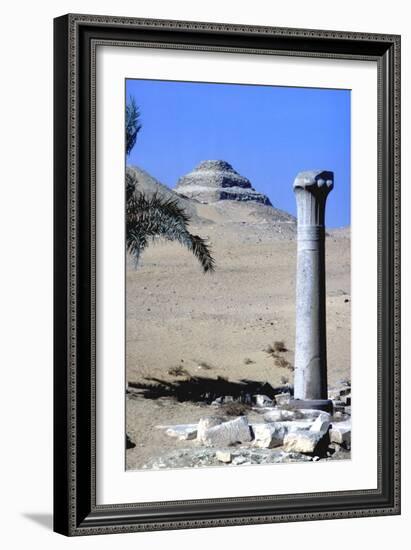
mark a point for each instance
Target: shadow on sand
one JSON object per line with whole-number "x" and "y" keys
{"x": 201, "y": 389}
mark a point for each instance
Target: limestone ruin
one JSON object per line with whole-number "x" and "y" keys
{"x": 214, "y": 180}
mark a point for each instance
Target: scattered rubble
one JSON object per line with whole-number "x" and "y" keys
{"x": 223, "y": 456}
{"x": 268, "y": 436}
{"x": 194, "y": 458}
{"x": 284, "y": 434}
{"x": 302, "y": 441}
{"x": 282, "y": 399}
{"x": 321, "y": 424}
{"x": 340, "y": 433}
{"x": 183, "y": 431}
{"x": 224, "y": 433}
{"x": 262, "y": 401}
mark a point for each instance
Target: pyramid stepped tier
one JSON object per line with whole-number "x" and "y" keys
{"x": 216, "y": 180}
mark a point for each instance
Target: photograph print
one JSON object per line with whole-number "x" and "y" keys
{"x": 238, "y": 260}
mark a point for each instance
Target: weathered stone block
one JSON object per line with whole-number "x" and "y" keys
{"x": 346, "y": 399}
{"x": 334, "y": 394}
{"x": 278, "y": 415}
{"x": 225, "y": 433}
{"x": 223, "y": 456}
{"x": 282, "y": 399}
{"x": 341, "y": 435}
{"x": 313, "y": 414}
{"x": 262, "y": 401}
{"x": 268, "y": 436}
{"x": 321, "y": 424}
{"x": 302, "y": 441}
{"x": 205, "y": 424}
{"x": 182, "y": 431}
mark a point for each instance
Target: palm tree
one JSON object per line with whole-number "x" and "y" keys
{"x": 148, "y": 218}
{"x": 133, "y": 125}
{"x": 151, "y": 217}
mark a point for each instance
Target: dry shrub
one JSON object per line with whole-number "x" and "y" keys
{"x": 283, "y": 363}
{"x": 178, "y": 371}
{"x": 277, "y": 347}
{"x": 248, "y": 361}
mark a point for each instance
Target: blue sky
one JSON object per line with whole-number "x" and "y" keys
{"x": 267, "y": 133}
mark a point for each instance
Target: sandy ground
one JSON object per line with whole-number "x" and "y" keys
{"x": 220, "y": 324}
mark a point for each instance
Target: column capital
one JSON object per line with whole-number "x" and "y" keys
{"x": 314, "y": 180}
{"x": 311, "y": 188}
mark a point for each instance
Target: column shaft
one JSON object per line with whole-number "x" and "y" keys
{"x": 310, "y": 380}
{"x": 310, "y": 377}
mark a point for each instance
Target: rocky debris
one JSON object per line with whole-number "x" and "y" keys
{"x": 272, "y": 433}
{"x": 216, "y": 180}
{"x": 279, "y": 415}
{"x": 238, "y": 460}
{"x": 302, "y": 431}
{"x": 182, "y": 432}
{"x": 308, "y": 441}
{"x": 283, "y": 415}
{"x": 216, "y": 433}
{"x": 313, "y": 414}
{"x": 260, "y": 395}
{"x": 292, "y": 425}
{"x": 228, "y": 399}
{"x": 339, "y": 407}
{"x": 340, "y": 433}
{"x": 312, "y": 441}
{"x": 268, "y": 436}
{"x": 205, "y": 424}
{"x": 321, "y": 424}
{"x": 223, "y": 456}
{"x": 194, "y": 458}
{"x": 302, "y": 441}
{"x": 218, "y": 401}
{"x": 282, "y": 399}
{"x": 262, "y": 401}
{"x": 339, "y": 416}
{"x": 334, "y": 394}
{"x": 341, "y": 397}
{"x": 346, "y": 399}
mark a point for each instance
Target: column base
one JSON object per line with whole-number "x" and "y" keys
{"x": 318, "y": 404}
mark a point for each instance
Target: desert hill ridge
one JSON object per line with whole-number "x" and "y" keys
{"x": 242, "y": 215}
{"x": 253, "y": 220}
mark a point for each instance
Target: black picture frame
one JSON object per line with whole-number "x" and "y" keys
{"x": 75, "y": 509}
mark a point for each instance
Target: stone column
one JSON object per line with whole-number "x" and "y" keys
{"x": 310, "y": 377}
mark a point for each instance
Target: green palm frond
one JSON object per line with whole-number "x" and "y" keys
{"x": 133, "y": 125}
{"x": 156, "y": 216}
